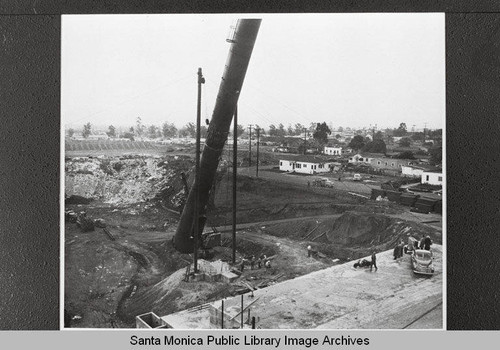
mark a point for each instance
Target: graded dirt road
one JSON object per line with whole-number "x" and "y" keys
{"x": 360, "y": 187}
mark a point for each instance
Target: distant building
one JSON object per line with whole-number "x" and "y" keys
{"x": 100, "y": 135}
{"x": 77, "y": 136}
{"x": 333, "y": 151}
{"x": 384, "y": 164}
{"x": 361, "y": 159}
{"x": 282, "y": 149}
{"x": 432, "y": 177}
{"x": 305, "y": 165}
{"x": 416, "y": 170}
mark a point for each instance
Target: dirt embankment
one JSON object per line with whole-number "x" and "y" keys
{"x": 353, "y": 234}
{"x": 127, "y": 180}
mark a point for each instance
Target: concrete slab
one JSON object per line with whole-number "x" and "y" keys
{"x": 341, "y": 297}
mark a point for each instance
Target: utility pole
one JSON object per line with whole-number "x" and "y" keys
{"x": 250, "y": 145}
{"x": 196, "y": 230}
{"x": 305, "y": 135}
{"x": 425, "y": 127}
{"x": 235, "y": 158}
{"x": 258, "y": 139}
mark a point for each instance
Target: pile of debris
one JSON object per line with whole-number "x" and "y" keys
{"x": 126, "y": 180}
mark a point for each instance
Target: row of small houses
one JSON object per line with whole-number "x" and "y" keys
{"x": 398, "y": 167}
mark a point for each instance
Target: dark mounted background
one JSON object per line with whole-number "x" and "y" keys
{"x": 30, "y": 148}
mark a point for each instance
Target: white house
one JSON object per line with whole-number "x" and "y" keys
{"x": 305, "y": 166}
{"x": 416, "y": 170}
{"x": 361, "y": 159}
{"x": 432, "y": 177}
{"x": 333, "y": 151}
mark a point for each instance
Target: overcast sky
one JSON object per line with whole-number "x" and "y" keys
{"x": 346, "y": 69}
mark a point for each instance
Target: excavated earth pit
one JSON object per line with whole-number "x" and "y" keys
{"x": 109, "y": 282}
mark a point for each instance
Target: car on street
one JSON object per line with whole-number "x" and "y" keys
{"x": 421, "y": 262}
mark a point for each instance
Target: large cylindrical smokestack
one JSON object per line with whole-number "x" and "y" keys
{"x": 242, "y": 44}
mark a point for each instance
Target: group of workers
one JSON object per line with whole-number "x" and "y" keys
{"x": 261, "y": 261}
{"x": 425, "y": 242}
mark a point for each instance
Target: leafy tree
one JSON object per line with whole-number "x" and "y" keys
{"x": 190, "y": 129}
{"x": 401, "y": 130}
{"x": 239, "y": 130}
{"x": 111, "y": 131}
{"x": 405, "y": 155}
{"x": 290, "y": 131}
{"x": 375, "y": 146}
{"x": 378, "y": 135}
{"x": 299, "y": 128}
{"x": 405, "y": 142}
{"x": 272, "y": 130}
{"x": 436, "y": 135}
{"x": 139, "y": 128}
{"x": 338, "y": 136}
{"x": 281, "y": 130}
{"x": 312, "y": 127}
{"x": 168, "y": 130}
{"x": 131, "y": 129}
{"x": 321, "y": 133}
{"x": 417, "y": 136}
{"x": 436, "y": 155}
{"x": 340, "y": 129}
{"x": 87, "y": 130}
{"x": 71, "y": 132}
{"x": 357, "y": 142}
{"x": 152, "y": 131}
{"x": 183, "y": 132}
{"x": 127, "y": 135}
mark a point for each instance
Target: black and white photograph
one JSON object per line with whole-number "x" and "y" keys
{"x": 253, "y": 171}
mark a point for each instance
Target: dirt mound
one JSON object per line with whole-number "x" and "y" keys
{"x": 170, "y": 295}
{"x": 358, "y": 228}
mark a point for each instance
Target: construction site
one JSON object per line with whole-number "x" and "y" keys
{"x": 196, "y": 238}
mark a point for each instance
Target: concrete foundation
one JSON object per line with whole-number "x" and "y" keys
{"x": 150, "y": 321}
{"x": 339, "y": 297}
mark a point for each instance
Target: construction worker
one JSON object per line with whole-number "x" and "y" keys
{"x": 259, "y": 263}
{"x": 427, "y": 243}
{"x": 374, "y": 262}
{"x": 421, "y": 245}
{"x": 400, "y": 249}
{"x": 252, "y": 262}
{"x": 268, "y": 264}
{"x": 309, "y": 252}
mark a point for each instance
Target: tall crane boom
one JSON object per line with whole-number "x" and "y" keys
{"x": 242, "y": 44}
